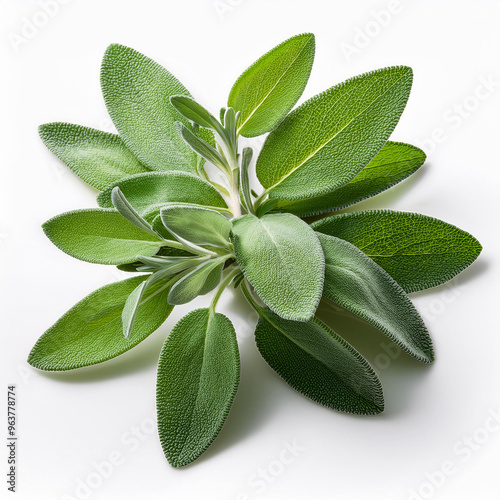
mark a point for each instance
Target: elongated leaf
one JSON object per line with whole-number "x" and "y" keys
{"x": 100, "y": 236}
{"x": 244, "y": 181}
{"x": 418, "y": 251}
{"x": 137, "y": 93}
{"x": 326, "y": 142}
{"x": 319, "y": 364}
{"x": 91, "y": 331}
{"x": 359, "y": 285}
{"x": 392, "y": 164}
{"x": 196, "y": 113}
{"x": 269, "y": 88}
{"x": 200, "y": 281}
{"x": 131, "y": 308}
{"x": 98, "y": 158}
{"x": 198, "y": 225}
{"x": 147, "y": 193}
{"x": 282, "y": 259}
{"x": 198, "y": 376}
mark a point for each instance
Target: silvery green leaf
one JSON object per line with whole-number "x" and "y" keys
{"x": 131, "y": 307}
{"x": 244, "y": 184}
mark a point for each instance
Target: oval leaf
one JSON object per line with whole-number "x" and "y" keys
{"x": 137, "y": 93}
{"x": 418, "y": 251}
{"x": 269, "y": 88}
{"x": 319, "y": 364}
{"x": 91, "y": 331}
{"x": 100, "y": 236}
{"x": 198, "y": 375}
{"x": 326, "y": 142}
{"x": 359, "y": 285}
{"x": 98, "y": 158}
{"x": 392, "y": 164}
{"x": 282, "y": 259}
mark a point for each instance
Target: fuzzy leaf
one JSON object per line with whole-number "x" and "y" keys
{"x": 196, "y": 113}
{"x": 100, "y": 236}
{"x": 282, "y": 259}
{"x": 418, "y": 251}
{"x": 98, "y": 158}
{"x": 326, "y": 142}
{"x": 137, "y": 93}
{"x": 198, "y": 375}
{"x": 269, "y": 88}
{"x": 91, "y": 331}
{"x": 359, "y": 285}
{"x": 392, "y": 164}
{"x": 319, "y": 364}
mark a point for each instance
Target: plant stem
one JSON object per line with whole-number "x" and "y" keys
{"x": 222, "y": 286}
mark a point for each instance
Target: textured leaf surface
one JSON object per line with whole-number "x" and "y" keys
{"x": 91, "y": 331}
{"x": 149, "y": 192}
{"x": 100, "y": 236}
{"x": 319, "y": 364}
{"x": 198, "y": 375}
{"x": 269, "y": 88}
{"x": 137, "y": 93}
{"x": 282, "y": 259}
{"x": 419, "y": 252}
{"x": 98, "y": 158}
{"x": 392, "y": 164}
{"x": 326, "y": 142}
{"x": 359, "y": 285}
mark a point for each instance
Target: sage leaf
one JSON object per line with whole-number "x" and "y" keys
{"x": 328, "y": 140}
{"x": 98, "y": 158}
{"x": 361, "y": 286}
{"x": 269, "y": 88}
{"x": 319, "y": 364}
{"x": 131, "y": 307}
{"x": 282, "y": 259}
{"x": 197, "y": 225}
{"x": 91, "y": 331}
{"x": 244, "y": 181}
{"x": 198, "y": 376}
{"x": 392, "y": 164}
{"x": 147, "y": 193}
{"x": 137, "y": 94}
{"x": 100, "y": 236}
{"x": 418, "y": 251}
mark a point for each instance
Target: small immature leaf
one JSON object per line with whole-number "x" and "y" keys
{"x": 392, "y": 164}
{"x": 282, "y": 259}
{"x": 197, "y": 225}
{"x": 198, "y": 375}
{"x": 418, "y": 251}
{"x": 91, "y": 331}
{"x": 147, "y": 193}
{"x": 137, "y": 93}
{"x": 100, "y": 236}
{"x": 269, "y": 88}
{"x": 244, "y": 181}
{"x": 319, "y": 364}
{"x": 98, "y": 158}
{"x": 359, "y": 285}
{"x": 326, "y": 142}
{"x": 131, "y": 307}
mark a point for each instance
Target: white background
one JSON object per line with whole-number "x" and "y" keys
{"x": 70, "y": 422}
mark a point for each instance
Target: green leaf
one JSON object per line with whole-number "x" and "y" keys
{"x": 200, "y": 281}
{"x": 326, "y": 142}
{"x": 197, "y": 225}
{"x": 392, "y": 164}
{"x": 99, "y": 236}
{"x": 244, "y": 181}
{"x": 137, "y": 93}
{"x": 147, "y": 193}
{"x": 98, "y": 158}
{"x": 282, "y": 259}
{"x": 359, "y": 285}
{"x": 418, "y": 251}
{"x": 91, "y": 331}
{"x": 269, "y": 88}
{"x": 319, "y": 364}
{"x": 198, "y": 375}
{"x": 131, "y": 308}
